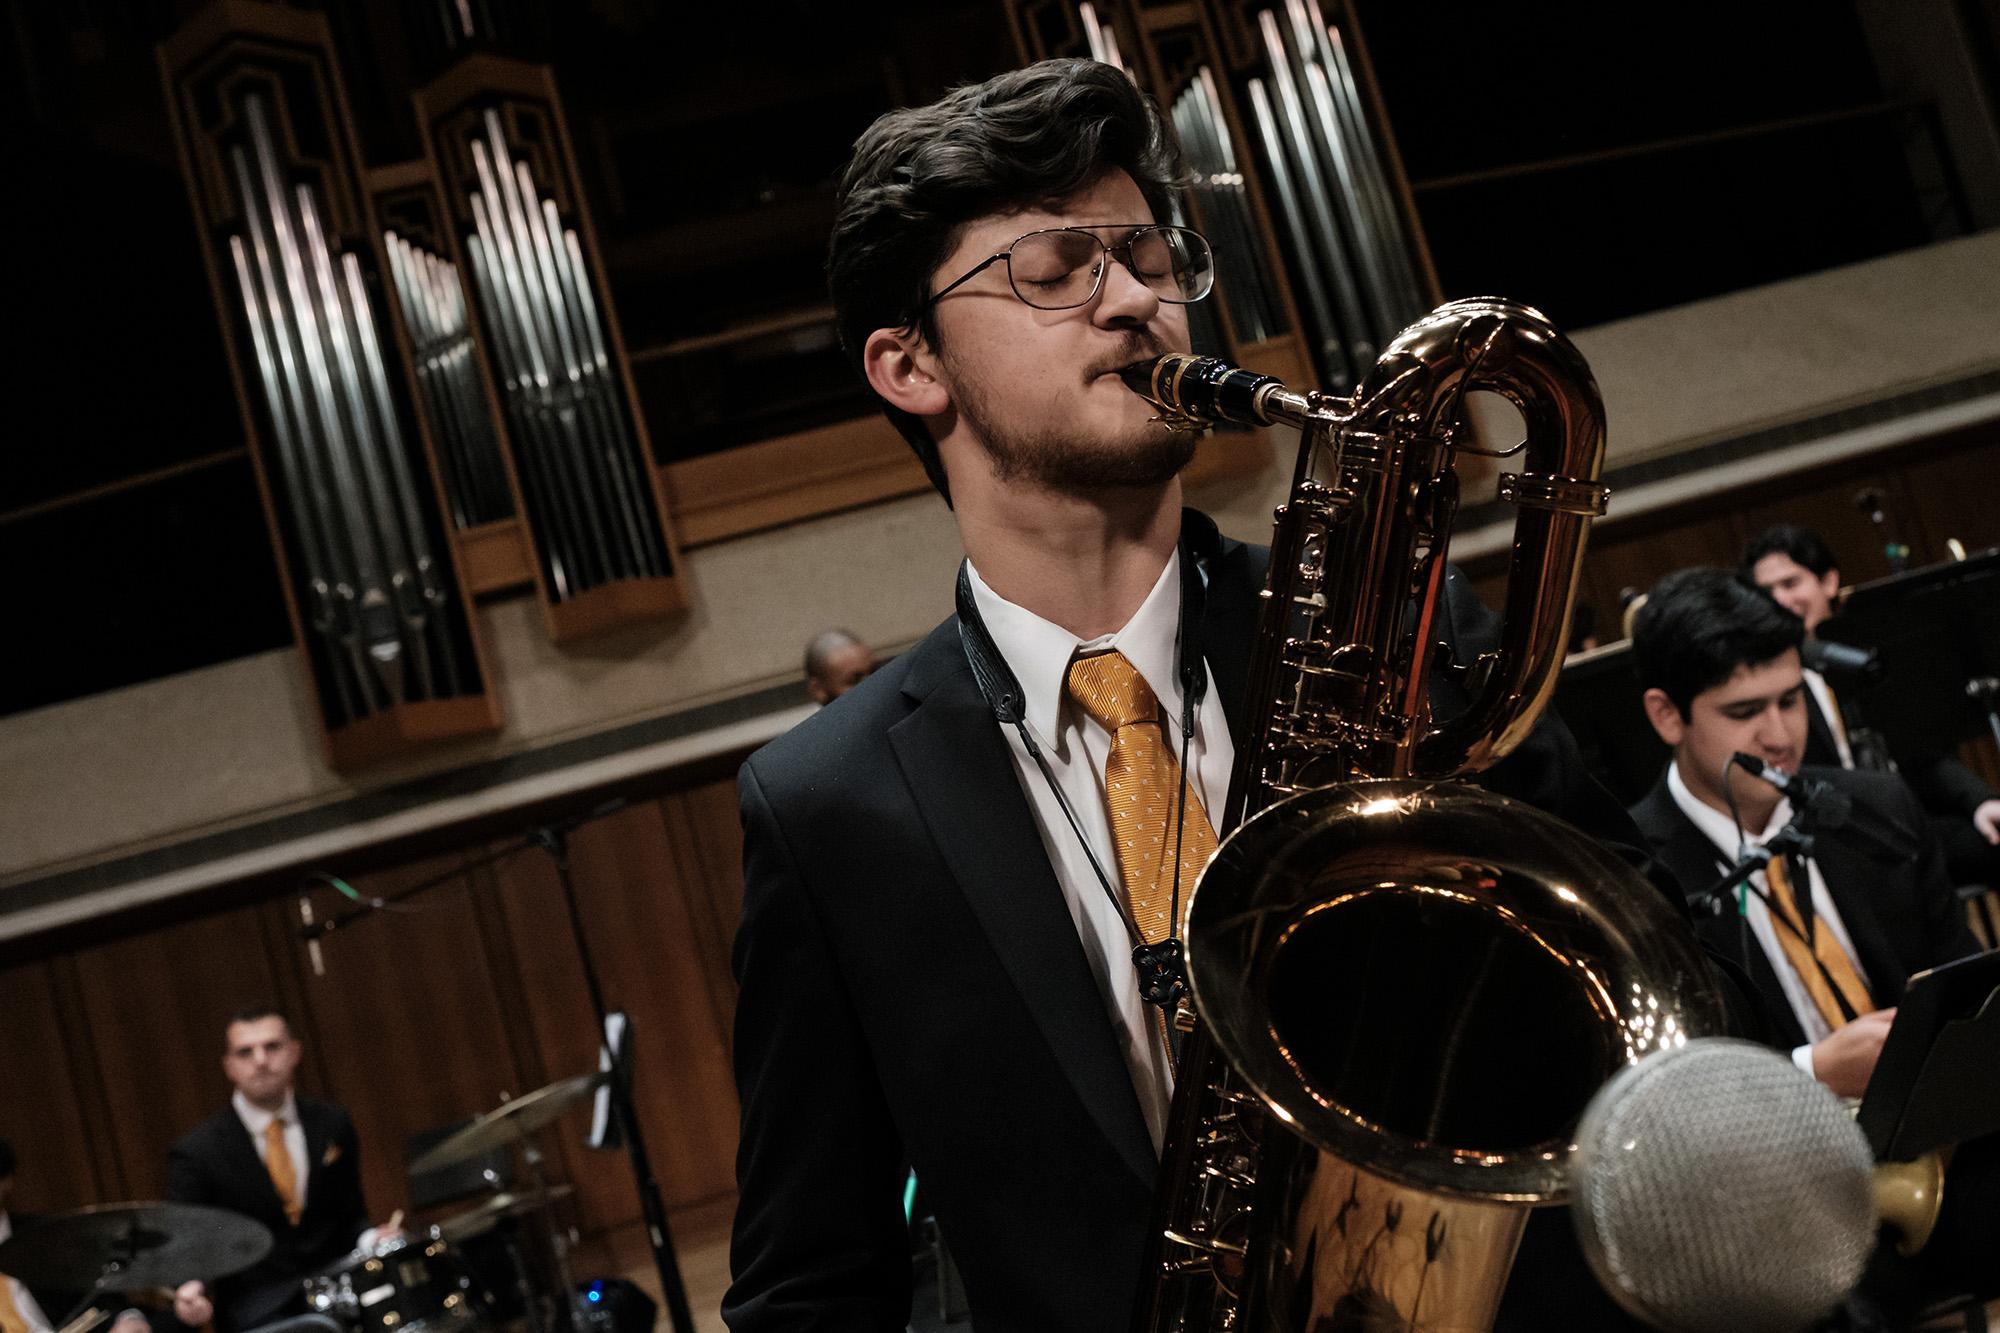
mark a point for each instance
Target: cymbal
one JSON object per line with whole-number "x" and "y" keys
{"x": 152, "y": 1244}
{"x": 483, "y": 1217}
{"x": 510, "y": 1122}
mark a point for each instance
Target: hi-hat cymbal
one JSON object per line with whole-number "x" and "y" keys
{"x": 132, "y": 1245}
{"x": 483, "y": 1217}
{"x": 511, "y": 1122}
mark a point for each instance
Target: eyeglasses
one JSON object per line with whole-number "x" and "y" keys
{"x": 1060, "y": 268}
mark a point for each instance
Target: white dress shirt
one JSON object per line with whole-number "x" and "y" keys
{"x": 1076, "y": 748}
{"x": 1721, "y": 831}
{"x": 1829, "y": 708}
{"x": 255, "y": 1121}
{"x": 24, "y": 1300}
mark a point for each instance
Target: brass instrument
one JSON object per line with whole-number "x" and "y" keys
{"x": 1407, "y": 988}
{"x": 1909, "y": 1195}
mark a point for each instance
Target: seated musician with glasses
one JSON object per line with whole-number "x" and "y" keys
{"x": 947, "y": 868}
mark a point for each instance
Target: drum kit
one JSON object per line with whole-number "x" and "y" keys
{"x": 413, "y": 1283}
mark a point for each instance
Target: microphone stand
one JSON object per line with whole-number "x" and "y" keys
{"x": 553, "y": 839}
{"x": 1790, "y": 840}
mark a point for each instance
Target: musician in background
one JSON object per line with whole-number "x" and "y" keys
{"x": 836, "y": 662}
{"x": 1794, "y": 565}
{"x": 291, "y": 1163}
{"x": 25, "y": 1311}
{"x": 1719, "y": 664}
{"x": 930, "y": 969}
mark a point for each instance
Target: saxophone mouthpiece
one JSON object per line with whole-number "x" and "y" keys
{"x": 1199, "y": 391}
{"x": 1141, "y": 377}
{"x": 1138, "y": 378}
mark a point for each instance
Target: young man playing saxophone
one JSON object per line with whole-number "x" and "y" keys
{"x": 932, "y": 969}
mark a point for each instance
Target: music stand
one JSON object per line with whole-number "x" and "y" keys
{"x": 1933, "y": 1083}
{"x": 1934, "y": 630}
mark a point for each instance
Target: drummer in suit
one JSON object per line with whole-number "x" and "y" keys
{"x": 287, "y": 1161}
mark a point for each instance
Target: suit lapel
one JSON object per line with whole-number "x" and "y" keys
{"x": 246, "y": 1158}
{"x": 961, "y": 776}
{"x": 1230, "y": 601}
{"x": 1820, "y": 748}
{"x": 1229, "y": 628}
{"x": 316, "y": 1128}
{"x": 1696, "y": 863}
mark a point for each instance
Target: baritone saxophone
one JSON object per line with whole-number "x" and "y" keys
{"x": 1404, "y": 989}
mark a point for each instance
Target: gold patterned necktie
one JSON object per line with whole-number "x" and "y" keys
{"x": 1141, "y": 783}
{"x": 1822, "y": 965}
{"x": 284, "y": 1176}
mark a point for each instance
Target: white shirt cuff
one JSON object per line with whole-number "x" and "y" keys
{"x": 1802, "y": 1057}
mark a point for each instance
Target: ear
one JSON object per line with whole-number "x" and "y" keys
{"x": 1667, "y": 721}
{"x": 817, "y": 691}
{"x": 904, "y": 373}
{"x": 1829, "y": 583}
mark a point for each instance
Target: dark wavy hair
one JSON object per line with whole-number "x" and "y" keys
{"x": 1699, "y": 625}
{"x": 919, "y": 175}
{"x": 1800, "y": 543}
{"x": 253, "y": 1013}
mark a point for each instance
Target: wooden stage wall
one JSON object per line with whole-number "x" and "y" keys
{"x": 1944, "y": 487}
{"x": 425, "y": 1016}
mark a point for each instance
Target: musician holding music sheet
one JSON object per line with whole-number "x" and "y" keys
{"x": 1719, "y": 664}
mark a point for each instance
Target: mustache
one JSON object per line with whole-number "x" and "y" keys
{"x": 1135, "y": 347}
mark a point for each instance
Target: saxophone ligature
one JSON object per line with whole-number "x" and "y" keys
{"x": 1405, "y": 988}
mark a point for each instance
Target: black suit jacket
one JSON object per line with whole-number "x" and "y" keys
{"x": 218, "y": 1165}
{"x": 1946, "y": 787}
{"x": 1894, "y": 899}
{"x": 912, "y": 988}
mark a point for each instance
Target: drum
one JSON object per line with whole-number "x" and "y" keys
{"x": 416, "y": 1285}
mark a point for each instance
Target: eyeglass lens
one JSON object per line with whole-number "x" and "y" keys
{"x": 1054, "y": 270}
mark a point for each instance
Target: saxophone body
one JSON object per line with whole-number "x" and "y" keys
{"x": 1405, "y": 989}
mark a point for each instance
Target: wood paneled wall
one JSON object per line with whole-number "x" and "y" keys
{"x": 1937, "y": 489}
{"x": 1934, "y": 489}
{"x": 426, "y": 1015}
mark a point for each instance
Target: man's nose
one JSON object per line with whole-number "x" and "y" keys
{"x": 1124, "y": 296}
{"x": 1770, "y": 733}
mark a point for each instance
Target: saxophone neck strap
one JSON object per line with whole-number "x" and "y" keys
{"x": 1162, "y": 973}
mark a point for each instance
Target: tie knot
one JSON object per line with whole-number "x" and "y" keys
{"x": 1110, "y": 689}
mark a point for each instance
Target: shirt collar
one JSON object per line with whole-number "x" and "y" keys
{"x": 255, "y": 1118}
{"x": 1718, "y": 827}
{"x": 1040, "y": 652}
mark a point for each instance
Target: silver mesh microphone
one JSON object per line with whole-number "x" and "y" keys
{"x": 1718, "y": 1186}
